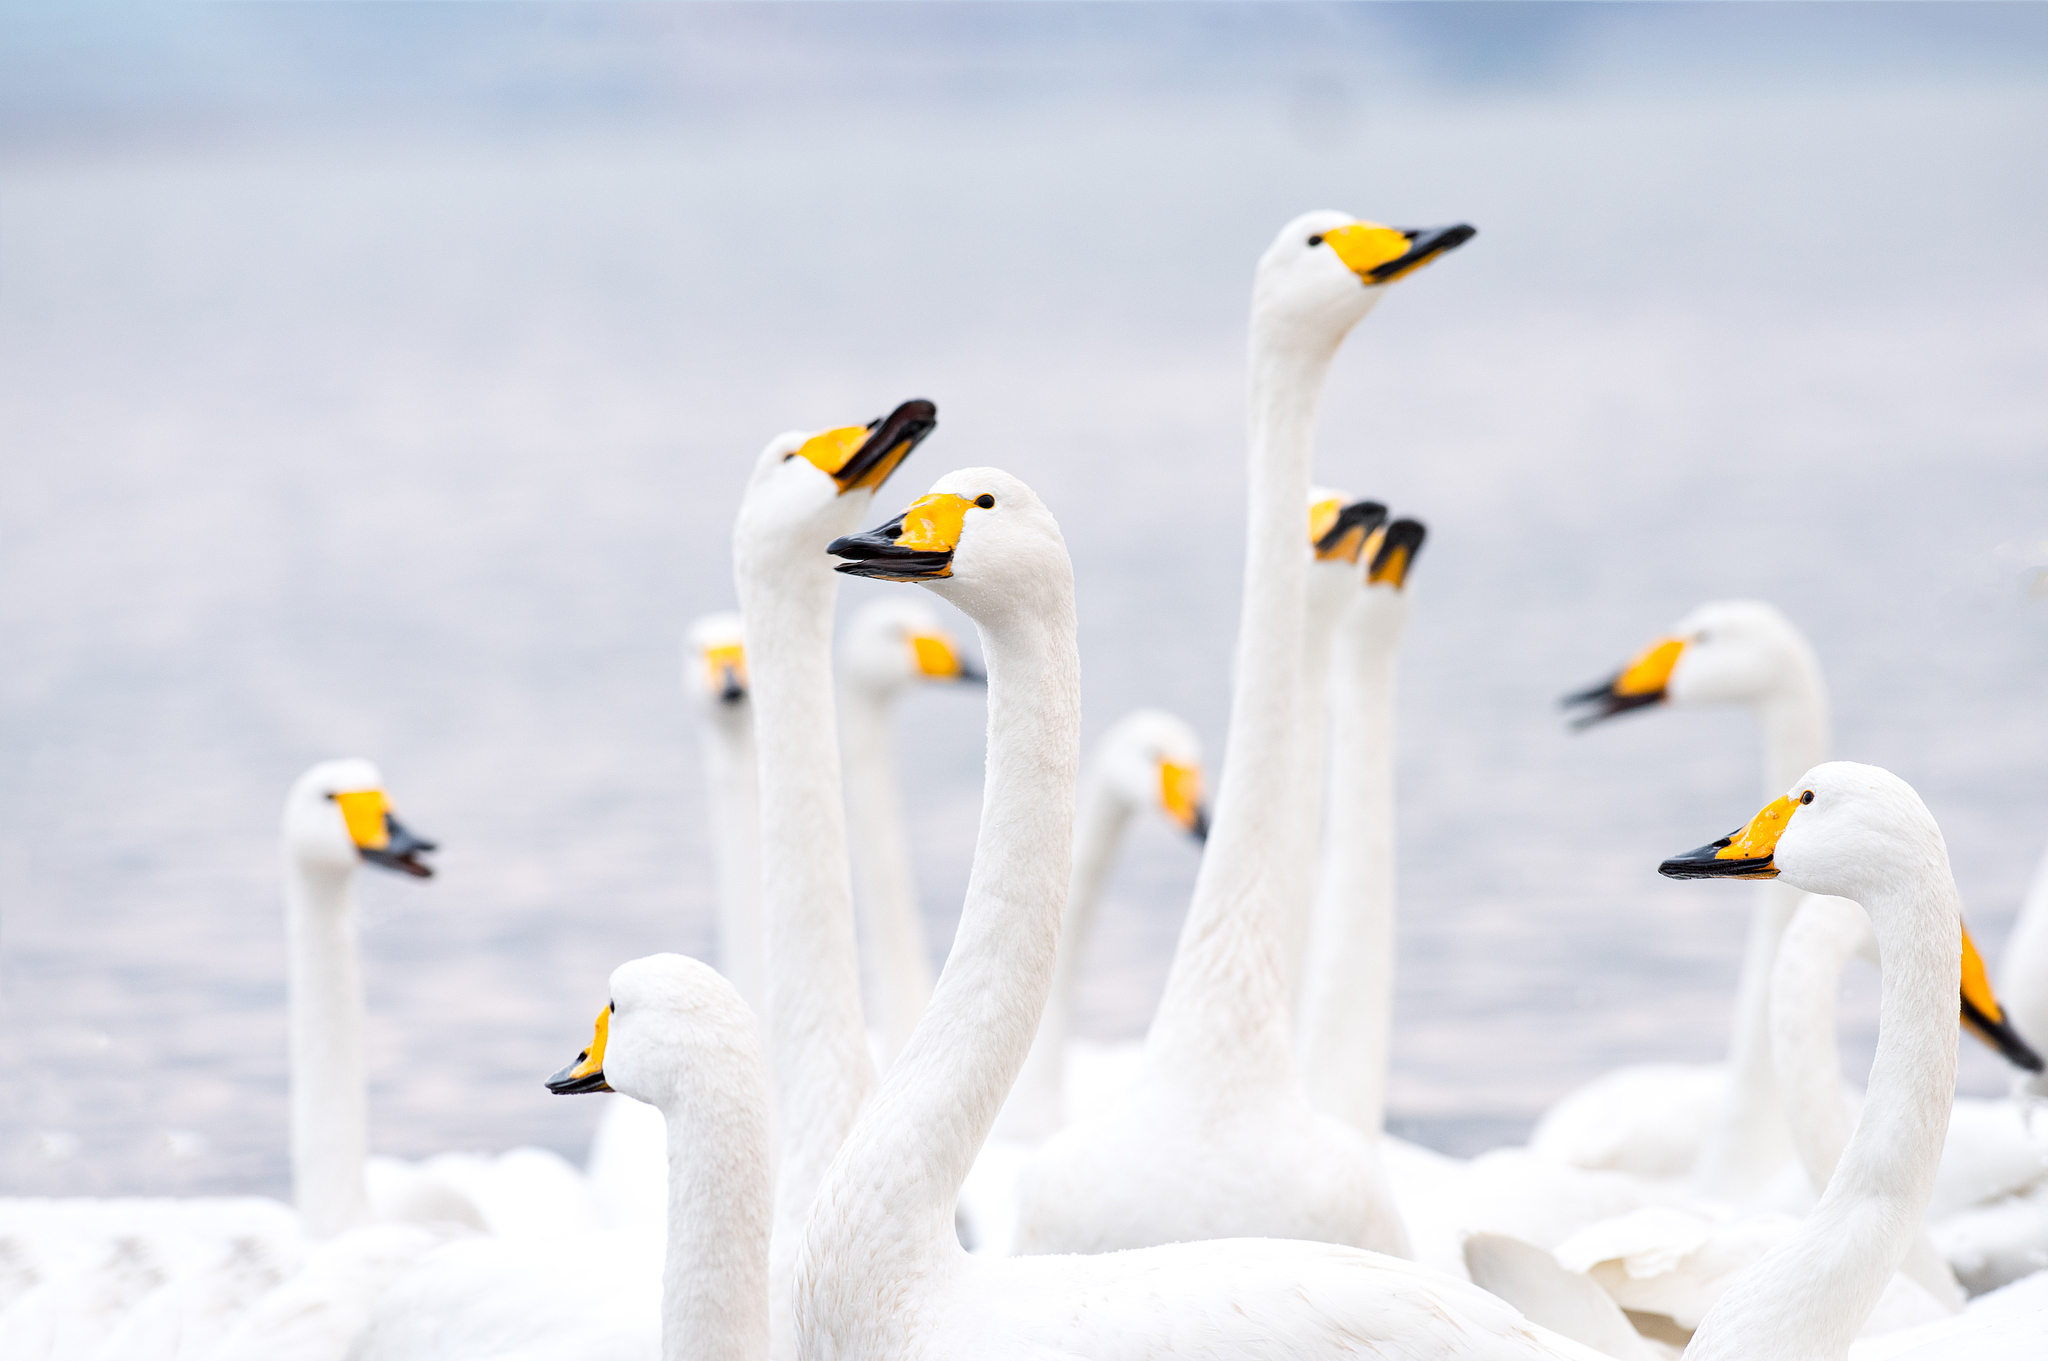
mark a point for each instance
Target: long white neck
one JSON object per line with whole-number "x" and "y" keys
{"x": 733, "y": 790}
{"x": 1230, "y": 947}
{"x": 2023, "y": 968}
{"x": 1804, "y": 987}
{"x": 1329, "y": 588}
{"x": 886, "y": 1213}
{"x": 1750, "y": 1142}
{"x": 894, "y": 957}
{"x": 330, "y": 1120}
{"x": 714, "y": 1278}
{"x": 1808, "y": 1297}
{"x": 1034, "y": 1110}
{"x": 1348, "y": 995}
{"x": 823, "y": 1070}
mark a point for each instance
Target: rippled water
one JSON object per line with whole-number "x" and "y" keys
{"x": 420, "y": 440}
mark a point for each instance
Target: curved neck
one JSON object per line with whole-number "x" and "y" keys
{"x": 733, "y": 791}
{"x": 1230, "y": 946}
{"x": 714, "y": 1279}
{"x": 893, "y": 1189}
{"x": 1347, "y": 1001}
{"x": 1809, "y": 1296}
{"x": 820, "y": 1058}
{"x": 330, "y": 1120}
{"x": 894, "y": 959}
{"x": 1035, "y": 1106}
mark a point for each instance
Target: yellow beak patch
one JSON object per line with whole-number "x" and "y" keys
{"x": 830, "y": 450}
{"x": 363, "y": 810}
{"x": 1760, "y": 838}
{"x": 1180, "y": 792}
{"x": 936, "y": 658}
{"x": 1650, "y": 671}
{"x": 591, "y": 1060}
{"x": 1365, "y": 246}
{"x": 721, "y": 661}
{"x": 932, "y": 524}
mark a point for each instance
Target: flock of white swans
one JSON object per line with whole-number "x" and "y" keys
{"x": 826, "y": 1152}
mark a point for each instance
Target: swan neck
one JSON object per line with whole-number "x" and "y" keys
{"x": 1230, "y": 945}
{"x": 904, "y": 1164}
{"x": 1794, "y": 726}
{"x": 894, "y": 959}
{"x": 1810, "y": 1295}
{"x": 734, "y": 793}
{"x": 714, "y": 1287}
{"x": 1347, "y": 1003}
{"x": 329, "y": 1115}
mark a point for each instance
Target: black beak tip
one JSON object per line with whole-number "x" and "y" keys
{"x": 563, "y": 1083}
{"x": 1705, "y": 863}
{"x": 1200, "y": 828}
{"x": 839, "y": 546}
{"x": 731, "y": 694}
{"x": 971, "y": 676}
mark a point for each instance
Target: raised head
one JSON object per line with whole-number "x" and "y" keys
{"x": 337, "y": 816}
{"x": 1724, "y": 652}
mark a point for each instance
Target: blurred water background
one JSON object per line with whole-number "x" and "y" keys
{"x": 381, "y": 380}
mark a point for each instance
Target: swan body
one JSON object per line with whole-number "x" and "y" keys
{"x": 889, "y": 645}
{"x": 1646, "y": 1120}
{"x": 2009, "y": 1324}
{"x": 1217, "y": 1137}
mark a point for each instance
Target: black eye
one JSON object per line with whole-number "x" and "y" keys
{"x": 1316, "y": 240}
{"x": 1807, "y": 797}
{"x": 985, "y": 501}
{"x": 332, "y": 799}
{"x": 611, "y": 1006}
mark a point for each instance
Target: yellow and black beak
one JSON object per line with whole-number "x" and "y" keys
{"x": 380, "y": 838}
{"x": 1180, "y": 793}
{"x": 915, "y": 546}
{"x": 1396, "y": 554}
{"x": 1745, "y": 854}
{"x": 863, "y": 457}
{"x": 586, "y": 1074}
{"x": 1638, "y": 685}
{"x": 726, "y": 672}
{"x": 939, "y": 660}
{"x": 1339, "y": 531}
{"x": 1380, "y": 255}
{"x": 1985, "y": 1018}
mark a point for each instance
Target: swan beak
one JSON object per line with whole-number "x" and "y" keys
{"x": 380, "y": 838}
{"x": 1746, "y": 854}
{"x": 1396, "y": 554}
{"x": 938, "y": 659}
{"x": 1639, "y": 684}
{"x": 1180, "y": 793}
{"x": 586, "y": 1074}
{"x": 1339, "y": 531}
{"x": 1985, "y": 1018}
{"x": 1380, "y": 255}
{"x": 861, "y": 458}
{"x": 915, "y": 546}
{"x": 726, "y": 672}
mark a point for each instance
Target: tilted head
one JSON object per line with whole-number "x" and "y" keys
{"x": 896, "y": 641}
{"x": 980, "y": 538}
{"x": 1853, "y": 831}
{"x": 337, "y": 816}
{"x": 1151, "y": 759}
{"x": 1395, "y": 549}
{"x": 1326, "y": 269}
{"x": 1339, "y": 528}
{"x": 1724, "y": 652}
{"x": 715, "y": 661}
{"x": 811, "y": 484}
{"x": 671, "y": 1022}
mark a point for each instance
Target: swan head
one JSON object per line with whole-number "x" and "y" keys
{"x": 1339, "y": 528}
{"x": 810, "y": 484}
{"x": 1724, "y": 652}
{"x": 1152, "y": 760}
{"x": 1326, "y": 269}
{"x": 715, "y": 661}
{"x": 669, "y": 1019}
{"x": 337, "y": 816}
{"x": 980, "y": 538}
{"x": 897, "y": 641}
{"x": 1852, "y": 831}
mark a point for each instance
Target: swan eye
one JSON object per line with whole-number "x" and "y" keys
{"x": 1316, "y": 240}
{"x": 1700, "y": 637}
{"x": 1807, "y": 797}
{"x": 985, "y": 501}
{"x": 611, "y": 1006}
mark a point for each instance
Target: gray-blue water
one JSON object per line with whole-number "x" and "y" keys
{"x": 381, "y": 381}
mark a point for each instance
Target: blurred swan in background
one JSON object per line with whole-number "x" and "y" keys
{"x": 1217, "y": 1138}
{"x": 888, "y": 646}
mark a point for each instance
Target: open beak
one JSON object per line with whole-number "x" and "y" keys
{"x": 1638, "y": 685}
{"x": 1380, "y": 255}
{"x": 1985, "y": 1018}
{"x": 862, "y": 457}
{"x": 1745, "y": 854}
{"x": 1339, "y": 531}
{"x": 1396, "y": 554}
{"x": 381, "y": 839}
{"x": 586, "y": 1074}
{"x": 915, "y": 546}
